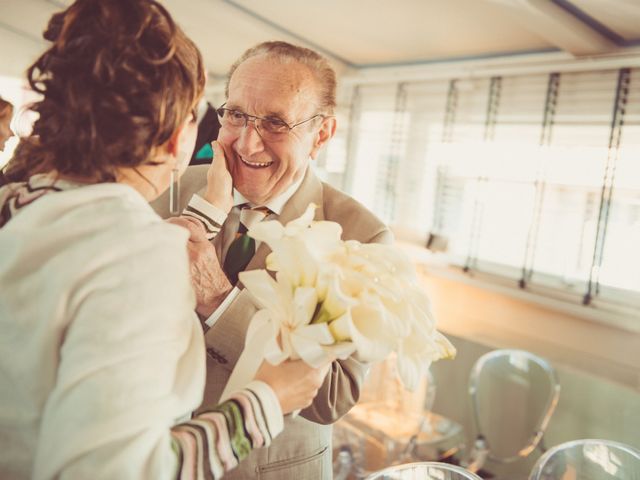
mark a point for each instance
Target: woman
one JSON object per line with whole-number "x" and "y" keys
{"x": 100, "y": 351}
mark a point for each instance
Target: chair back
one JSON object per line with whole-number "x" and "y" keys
{"x": 513, "y": 395}
{"x": 424, "y": 471}
{"x": 588, "y": 459}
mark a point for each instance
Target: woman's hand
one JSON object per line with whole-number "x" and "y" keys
{"x": 219, "y": 191}
{"x": 294, "y": 382}
{"x": 210, "y": 283}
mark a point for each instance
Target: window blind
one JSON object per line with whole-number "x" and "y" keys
{"x": 533, "y": 179}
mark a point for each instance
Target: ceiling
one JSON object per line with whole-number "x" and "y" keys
{"x": 361, "y": 34}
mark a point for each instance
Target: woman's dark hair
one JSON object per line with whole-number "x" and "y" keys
{"x": 117, "y": 82}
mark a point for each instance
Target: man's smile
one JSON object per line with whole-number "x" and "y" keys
{"x": 256, "y": 164}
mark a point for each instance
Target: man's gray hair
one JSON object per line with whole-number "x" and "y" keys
{"x": 284, "y": 52}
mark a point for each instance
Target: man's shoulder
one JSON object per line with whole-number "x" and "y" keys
{"x": 357, "y": 221}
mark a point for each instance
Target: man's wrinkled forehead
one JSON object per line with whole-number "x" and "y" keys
{"x": 263, "y": 78}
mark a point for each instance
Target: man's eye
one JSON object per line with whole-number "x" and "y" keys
{"x": 236, "y": 115}
{"x": 275, "y": 124}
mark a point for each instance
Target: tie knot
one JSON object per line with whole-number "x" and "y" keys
{"x": 264, "y": 210}
{"x": 250, "y": 216}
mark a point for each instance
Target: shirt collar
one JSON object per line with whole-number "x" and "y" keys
{"x": 276, "y": 205}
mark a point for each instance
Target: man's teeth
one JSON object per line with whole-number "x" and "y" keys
{"x": 255, "y": 164}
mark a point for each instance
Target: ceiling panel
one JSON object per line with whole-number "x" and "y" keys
{"x": 350, "y": 32}
{"x": 620, "y": 16}
{"x": 21, "y": 26}
{"x": 365, "y": 32}
{"x": 221, "y": 33}
{"x": 30, "y": 17}
{"x": 19, "y": 57}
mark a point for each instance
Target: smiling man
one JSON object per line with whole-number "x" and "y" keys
{"x": 277, "y": 117}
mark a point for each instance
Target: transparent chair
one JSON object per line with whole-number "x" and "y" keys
{"x": 384, "y": 427}
{"x": 588, "y": 460}
{"x": 424, "y": 471}
{"x": 513, "y": 395}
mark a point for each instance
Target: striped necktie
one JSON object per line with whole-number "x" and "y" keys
{"x": 243, "y": 247}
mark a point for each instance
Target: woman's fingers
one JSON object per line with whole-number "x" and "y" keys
{"x": 219, "y": 191}
{"x": 294, "y": 382}
{"x": 196, "y": 228}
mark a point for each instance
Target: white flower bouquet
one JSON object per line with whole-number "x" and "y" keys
{"x": 332, "y": 298}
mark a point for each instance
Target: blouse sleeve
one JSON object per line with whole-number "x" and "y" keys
{"x": 208, "y": 214}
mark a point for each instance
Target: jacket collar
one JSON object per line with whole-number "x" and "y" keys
{"x": 310, "y": 191}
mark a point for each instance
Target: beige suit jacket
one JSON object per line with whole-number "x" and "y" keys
{"x": 303, "y": 450}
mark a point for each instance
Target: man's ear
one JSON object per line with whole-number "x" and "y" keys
{"x": 327, "y": 131}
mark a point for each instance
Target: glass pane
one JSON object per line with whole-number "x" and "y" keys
{"x": 372, "y": 143}
{"x": 621, "y": 259}
{"x": 574, "y": 167}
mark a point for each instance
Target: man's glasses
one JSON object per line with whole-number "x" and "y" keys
{"x": 269, "y": 128}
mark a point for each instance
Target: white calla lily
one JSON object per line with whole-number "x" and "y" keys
{"x": 308, "y": 341}
{"x": 305, "y": 301}
{"x": 367, "y": 328}
{"x": 294, "y": 227}
{"x": 268, "y": 232}
{"x": 269, "y": 293}
{"x": 417, "y": 351}
{"x": 336, "y": 302}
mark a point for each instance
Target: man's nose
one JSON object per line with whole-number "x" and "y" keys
{"x": 249, "y": 141}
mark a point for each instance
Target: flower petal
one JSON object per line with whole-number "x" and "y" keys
{"x": 266, "y": 291}
{"x": 269, "y": 231}
{"x": 307, "y": 343}
{"x": 341, "y": 327}
{"x": 322, "y": 238}
{"x": 336, "y": 302}
{"x": 369, "y": 333}
{"x": 305, "y": 301}
{"x": 340, "y": 350}
{"x": 302, "y": 222}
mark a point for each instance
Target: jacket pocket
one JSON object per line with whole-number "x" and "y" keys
{"x": 310, "y": 467}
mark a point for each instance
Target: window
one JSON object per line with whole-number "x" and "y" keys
{"x": 532, "y": 179}
{"x": 12, "y": 89}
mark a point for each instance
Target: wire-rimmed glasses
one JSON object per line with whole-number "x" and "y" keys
{"x": 270, "y": 128}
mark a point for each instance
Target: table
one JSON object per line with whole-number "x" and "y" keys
{"x": 378, "y": 435}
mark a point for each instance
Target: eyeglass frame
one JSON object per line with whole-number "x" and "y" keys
{"x": 253, "y": 118}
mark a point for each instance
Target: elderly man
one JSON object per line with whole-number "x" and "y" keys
{"x": 277, "y": 117}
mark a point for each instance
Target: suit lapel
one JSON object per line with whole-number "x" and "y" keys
{"x": 310, "y": 191}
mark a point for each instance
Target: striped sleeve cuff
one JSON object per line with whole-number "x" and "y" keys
{"x": 217, "y": 440}
{"x": 271, "y": 405}
{"x": 210, "y": 215}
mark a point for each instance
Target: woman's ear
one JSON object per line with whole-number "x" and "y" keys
{"x": 326, "y": 132}
{"x": 172, "y": 146}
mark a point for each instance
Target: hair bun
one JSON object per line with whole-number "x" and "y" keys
{"x": 117, "y": 82}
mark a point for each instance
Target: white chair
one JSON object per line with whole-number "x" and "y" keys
{"x": 513, "y": 395}
{"x": 424, "y": 471}
{"x": 588, "y": 460}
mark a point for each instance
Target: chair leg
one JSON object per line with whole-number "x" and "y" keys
{"x": 343, "y": 464}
